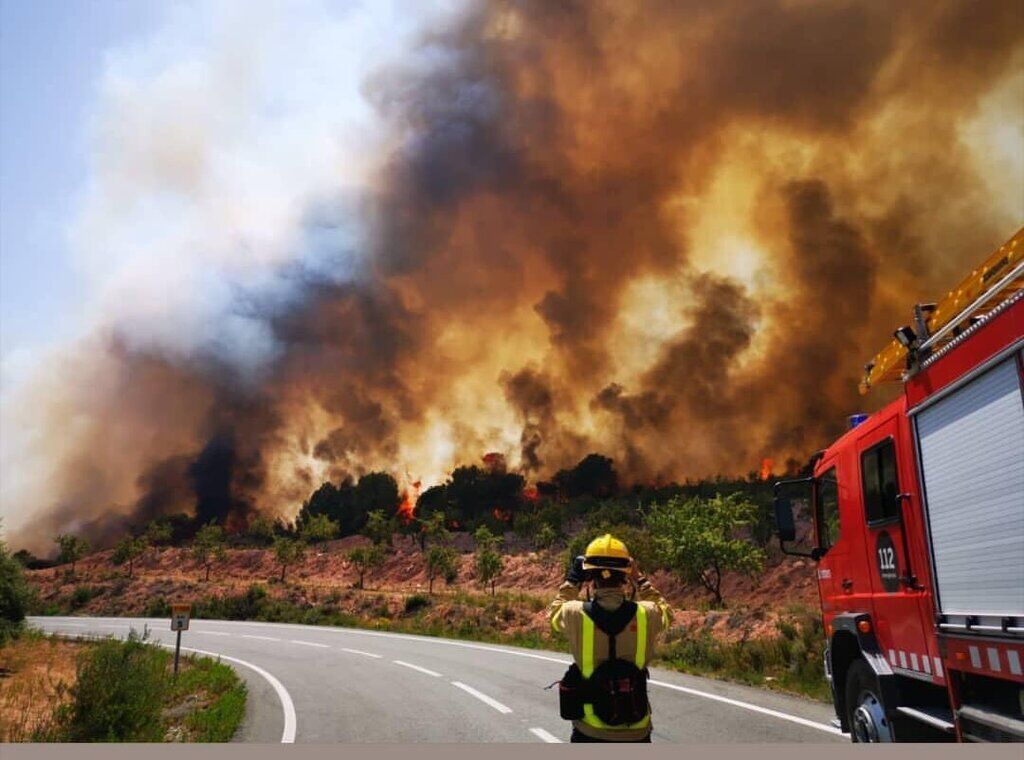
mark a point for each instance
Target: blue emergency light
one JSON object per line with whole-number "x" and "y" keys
{"x": 856, "y": 419}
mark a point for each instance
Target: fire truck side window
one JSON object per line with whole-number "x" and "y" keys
{"x": 881, "y": 487}
{"x": 828, "y": 509}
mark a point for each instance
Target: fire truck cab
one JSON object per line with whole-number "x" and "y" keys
{"x": 918, "y": 535}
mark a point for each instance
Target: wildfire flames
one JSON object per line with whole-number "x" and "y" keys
{"x": 766, "y": 468}
{"x": 407, "y": 509}
{"x": 599, "y": 227}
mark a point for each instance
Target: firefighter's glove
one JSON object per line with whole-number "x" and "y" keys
{"x": 576, "y": 574}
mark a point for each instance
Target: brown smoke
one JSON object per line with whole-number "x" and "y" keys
{"x": 670, "y": 232}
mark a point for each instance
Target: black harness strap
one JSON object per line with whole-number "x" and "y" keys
{"x": 610, "y": 622}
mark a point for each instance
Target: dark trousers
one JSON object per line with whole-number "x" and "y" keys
{"x": 578, "y": 737}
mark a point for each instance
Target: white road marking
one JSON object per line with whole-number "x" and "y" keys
{"x": 288, "y": 733}
{"x": 416, "y": 667}
{"x": 491, "y": 701}
{"x": 565, "y": 661}
{"x": 76, "y": 625}
{"x": 212, "y": 633}
{"x": 364, "y": 654}
{"x": 287, "y": 706}
{"x": 261, "y": 638}
{"x": 544, "y": 736}
{"x": 309, "y": 644}
{"x": 748, "y": 706}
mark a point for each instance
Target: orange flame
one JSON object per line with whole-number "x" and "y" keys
{"x": 531, "y": 494}
{"x": 407, "y": 509}
{"x": 766, "y": 468}
{"x": 501, "y": 514}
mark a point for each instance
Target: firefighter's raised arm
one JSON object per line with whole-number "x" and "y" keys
{"x": 569, "y": 591}
{"x": 648, "y": 595}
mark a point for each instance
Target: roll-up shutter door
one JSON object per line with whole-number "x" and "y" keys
{"x": 972, "y": 458}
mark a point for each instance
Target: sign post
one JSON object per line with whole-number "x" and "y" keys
{"x": 179, "y": 622}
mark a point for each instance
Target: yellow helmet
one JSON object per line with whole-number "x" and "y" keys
{"x": 607, "y": 553}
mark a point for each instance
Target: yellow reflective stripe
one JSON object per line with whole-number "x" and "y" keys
{"x": 555, "y": 618}
{"x": 641, "y": 636}
{"x": 587, "y": 667}
{"x": 592, "y": 720}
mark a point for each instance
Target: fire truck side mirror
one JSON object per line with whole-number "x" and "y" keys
{"x": 784, "y": 524}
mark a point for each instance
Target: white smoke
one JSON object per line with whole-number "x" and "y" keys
{"x": 229, "y": 152}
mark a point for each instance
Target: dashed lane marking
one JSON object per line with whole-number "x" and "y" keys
{"x": 361, "y": 652}
{"x": 212, "y": 633}
{"x": 491, "y": 701}
{"x": 261, "y": 638}
{"x": 417, "y": 667}
{"x": 309, "y": 644}
{"x": 545, "y": 736}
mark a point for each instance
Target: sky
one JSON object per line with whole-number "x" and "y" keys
{"x": 51, "y": 56}
{"x": 91, "y": 98}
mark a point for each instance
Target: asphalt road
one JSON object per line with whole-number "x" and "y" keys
{"x": 320, "y": 684}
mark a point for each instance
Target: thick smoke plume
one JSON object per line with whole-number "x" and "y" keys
{"x": 671, "y": 232}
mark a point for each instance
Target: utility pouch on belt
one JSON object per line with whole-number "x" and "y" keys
{"x": 571, "y": 694}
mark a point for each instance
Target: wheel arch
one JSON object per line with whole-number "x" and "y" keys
{"x": 848, "y": 643}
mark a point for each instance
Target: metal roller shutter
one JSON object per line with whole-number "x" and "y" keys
{"x": 972, "y": 457}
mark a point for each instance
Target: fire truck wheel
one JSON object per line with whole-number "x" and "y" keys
{"x": 865, "y": 713}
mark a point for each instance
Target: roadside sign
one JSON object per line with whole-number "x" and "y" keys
{"x": 179, "y": 616}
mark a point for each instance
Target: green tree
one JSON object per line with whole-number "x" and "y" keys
{"x": 489, "y": 562}
{"x": 318, "y": 528}
{"x": 71, "y": 549}
{"x": 261, "y": 529}
{"x": 435, "y": 528}
{"x": 127, "y": 550}
{"x": 697, "y": 539}
{"x": 379, "y": 527}
{"x": 441, "y": 561}
{"x": 366, "y": 558}
{"x": 158, "y": 534}
{"x": 545, "y": 537}
{"x": 208, "y": 546}
{"x": 287, "y": 552}
{"x": 376, "y": 490}
{"x": 15, "y": 595}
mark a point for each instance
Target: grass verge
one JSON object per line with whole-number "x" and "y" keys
{"x": 56, "y": 690}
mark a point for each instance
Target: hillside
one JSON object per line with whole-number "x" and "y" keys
{"x": 754, "y": 605}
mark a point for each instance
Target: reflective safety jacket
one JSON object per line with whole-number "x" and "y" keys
{"x": 589, "y": 645}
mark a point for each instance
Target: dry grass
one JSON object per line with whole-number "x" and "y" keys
{"x": 36, "y": 673}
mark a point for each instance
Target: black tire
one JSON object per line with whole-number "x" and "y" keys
{"x": 865, "y": 711}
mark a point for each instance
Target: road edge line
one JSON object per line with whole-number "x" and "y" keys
{"x": 288, "y": 732}
{"x": 748, "y": 706}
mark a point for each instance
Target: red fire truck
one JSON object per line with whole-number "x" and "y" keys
{"x": 918, "y": 525}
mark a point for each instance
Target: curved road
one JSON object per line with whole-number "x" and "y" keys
{"x": 320, "y": 684}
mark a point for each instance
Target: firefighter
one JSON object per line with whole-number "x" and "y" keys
{"x": 611, "y": 639}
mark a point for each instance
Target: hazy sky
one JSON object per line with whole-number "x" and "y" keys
{"x": 51, "y": 56}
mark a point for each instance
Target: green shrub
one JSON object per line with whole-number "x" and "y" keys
{"x": 157, "y": 607}
{"x": 15, "y": 596}
{"x": 82, "y": 595}
{"x": 118, "y": 693}
{"x": 415, "y": 603}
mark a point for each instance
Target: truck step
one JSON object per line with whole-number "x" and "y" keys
{"x": 983, "y": 724}
{"x": 936, "y": 717}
